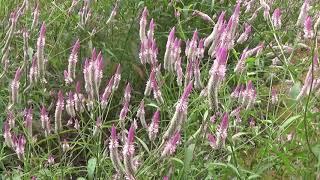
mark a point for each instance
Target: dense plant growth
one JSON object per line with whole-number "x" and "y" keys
{"x": 160, "y": 90}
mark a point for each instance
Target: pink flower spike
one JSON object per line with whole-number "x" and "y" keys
{"x": 43, "y": 30}
{"x": 44, "y": 117}
{"x": 20, "y": 142}
{"x": 93, "y": 54}
{"x": 276, "y": 18}
{"x": 308, "y": 32}
{"x": 187, "y": 91}
{"x": 17, "y": 75}
{"x": 143, "y": 23}
{"x": 171, "y": 145}
{"x": 78, "y": 87}
{"x": 117, "y": 78}
{"x": 127, "y": 93}
{"x": 212, "y": 141}
{"x": 128, "y": 149}
{"x": 225, "y": 122}
{"x": 28, "y": 117}
{"x": 154, "y": 126}
{"x": 113, "y": 132}
{"x": 8, "y": 139}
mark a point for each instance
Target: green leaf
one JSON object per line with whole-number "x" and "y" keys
{"x": 144, "y": 145}
{"x": 177, "y": 160}
{"x": 188, "y": 157}
{"x": 91, "y": 167}
{"x": 81, "y": 178}
{"x": 287, "y": 122}
{"x": 294, "y": 91}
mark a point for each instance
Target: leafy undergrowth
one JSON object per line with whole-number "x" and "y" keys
{"x": 159, "y": 90}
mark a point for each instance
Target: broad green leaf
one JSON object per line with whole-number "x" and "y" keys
{"x": 188, "y": 156}
{"x": 287, "y": 122}
{"x": 294, "y": 91}
{"x": 91, "y": 167}
{"x": 144, "y": 145}
{"x": 177, "y": 160}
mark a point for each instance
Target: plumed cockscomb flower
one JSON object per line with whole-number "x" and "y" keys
{"x": 15, "y": 84}
{"x": 197, "y": 74}
{"x": 214, "y": 37}
{"x": 174, "y": 54}
{"x": 28, "y": 117}
{"x": 148, "y": 47}
{"x": 276, "y": 18}
{"x": 171, "y": 145}
{"x": 217, "y": 74}
{"x": 191, "y": 47}
{"x": 70, "y": 74}
{"x": 180, "y": 114}
{"x": 212, "y": 141}
{"x": 169, "y": 47}
{"x": 236, "y": 92}
{"x": 124, "y": 111}
{"x": 154, "y": 125}
{"x": 143, "y": 24}
{"x": 128, "y": 153}
{"x": 40, "y": 51}
{"x": 236, "y": 113}
{"x": 45, "y": 122}
{"x": 256, "y": 50}
{"x": 97, "y": 127}
{"x": 240, "y": 67}
{"x": 248, "y": 96}
{"x": 117, "y": 78}
{"x": 222, "y": 130}
{"x": 7, "y": 135}
{"x": 88, "y": 78}
{"x": 19, "y": 145}
{"x": 156, "y": 89}
{"x": 58, "y": 112}
{"x": 245, "y": 35}
{"x": 114, "y": 153}
{"x": 266, "y": 9}
{"x": 33, "y": 72}
{"x": 10, "y": 119}
{"x": 308, "y": 31}
{"x": 70, "y": 105}
{"x": 204, "y": 16}
{"x": 127, "y": 93}
{"x": 79, "y": 100}
{"x": 303, "y": 12}
{"x": 248, "y": 4}
{"x": 179, "y": 72}
{"x": 36, "y": 14}
{"x": 148, "y": 88}
{"x": 311, "y": 82}
{"x": 126, "y": 101}
{"x": 107, "y": 92}
{"x": 228, "y": 34}
{"x": 97, "y": 72}
{"x": 141, "y": 114}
